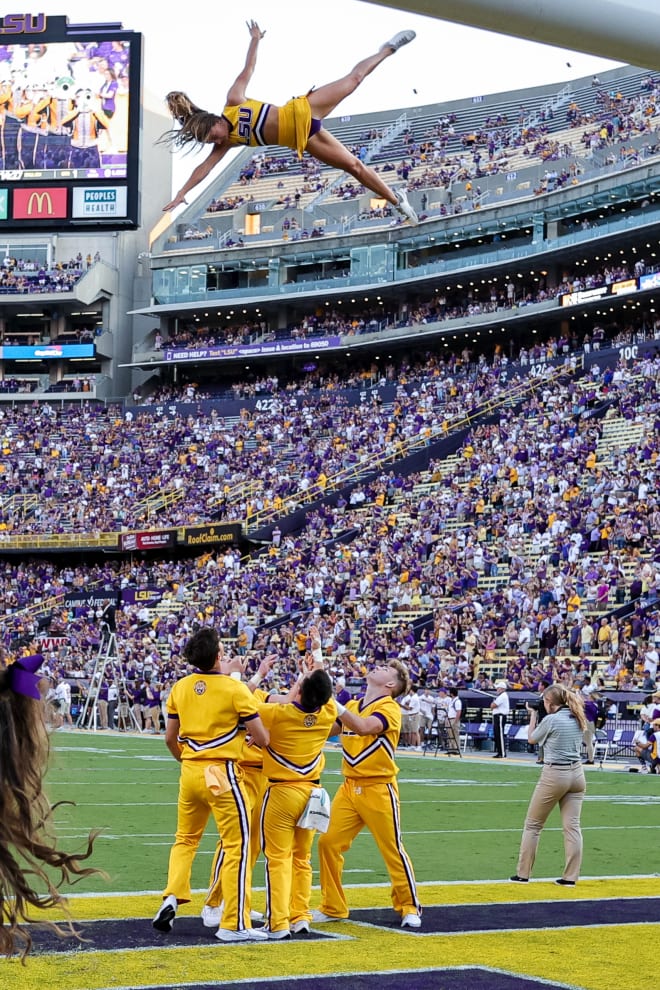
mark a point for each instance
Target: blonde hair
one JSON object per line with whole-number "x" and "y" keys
{"x": 194, "y": 123}
{"x": 557, "y": 694}
{"x": 32, "y": 866}
{"x": 403, "y": 677}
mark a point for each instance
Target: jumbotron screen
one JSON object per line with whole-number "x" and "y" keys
{"x": 69, "y": 123}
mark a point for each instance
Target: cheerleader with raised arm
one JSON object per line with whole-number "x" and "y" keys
{"x": 297, "y": 125}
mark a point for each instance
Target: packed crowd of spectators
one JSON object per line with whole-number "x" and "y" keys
{"x": 93, "y": 470}
{"x": 569, "y": 535}
{"x": 524, "y": 547}
{"x": 451, "y": 304}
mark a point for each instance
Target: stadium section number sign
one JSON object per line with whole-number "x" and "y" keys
{"x": 69, "y": 124}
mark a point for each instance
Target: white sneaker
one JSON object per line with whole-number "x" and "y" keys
{"x": 275, "y": 936}
{"x": 243, "y": 935}
{"x": 644, "y": 769}
{"x": 399, "y": 40}
{"x": 404, "y": 207}
{"x": 211, "y": 916}
{"x": 411, "y": 921}
{"x": 321, "y": 918}
{"x": 300, "y": 926}
{"x": 164, "y": 918}
{"x": 256, "y": 916}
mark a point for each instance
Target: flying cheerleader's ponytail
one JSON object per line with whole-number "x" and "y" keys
{"x": 181, "y": 106}
{"x": 195, "y": 124}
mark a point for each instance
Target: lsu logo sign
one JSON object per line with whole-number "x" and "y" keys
{"x": 23, "y": 24}
{"x": 104, "y": 201}
{"x": 40, "y": 204}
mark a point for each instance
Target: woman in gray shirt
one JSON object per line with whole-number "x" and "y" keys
{"x": 562, "y": 780}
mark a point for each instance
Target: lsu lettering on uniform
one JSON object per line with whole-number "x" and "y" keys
{"x": 293, "y": 762}
{"x": 254, "y": 783}
{"x": 295, "y": 123}
{"x": 210, "y": 707}
{"x": 368, "y": 796}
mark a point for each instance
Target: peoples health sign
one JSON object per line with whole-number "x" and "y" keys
{"x": 90, "y": 202}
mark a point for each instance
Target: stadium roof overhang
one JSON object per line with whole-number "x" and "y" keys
{"x": 622, "y": 31}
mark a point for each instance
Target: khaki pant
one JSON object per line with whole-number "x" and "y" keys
{"x": 102, "y": 708}
{"x": 454, "y": 733}
{"x": 589, "y": 737}
{"x": 565, "y": 786}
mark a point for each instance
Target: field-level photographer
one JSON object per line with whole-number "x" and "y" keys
{"x": 539, "y": 708}
{"x": 562, "y": 781}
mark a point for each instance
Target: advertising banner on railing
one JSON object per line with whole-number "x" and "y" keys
{"x": 49, "y": 643}
{"x": 150, "y": 539}
{"x": 142, "y": 596}
{"x": 250, "y": 350}
{"x": 96, "y": 598}
{"x": 46, "y": 352}
{"x": 201, "y": 536}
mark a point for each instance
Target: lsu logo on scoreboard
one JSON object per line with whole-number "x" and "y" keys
{"x": 23, "y": 24}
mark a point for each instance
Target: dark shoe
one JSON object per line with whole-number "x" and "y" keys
{"x": 589, "y": 763}
{"x": 164, "y": 920}
{"x": 498, "y": 756}
{"x": 517, "y": 879}
{"x": 565, "y": 883}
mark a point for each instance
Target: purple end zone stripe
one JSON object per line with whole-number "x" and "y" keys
{"x": 452, "y": 978}
{"x": 434, "y": 979}
{"x": 137, "y": 934}
{"x": 521, "y": 916}
{"x": 188, "y": 931}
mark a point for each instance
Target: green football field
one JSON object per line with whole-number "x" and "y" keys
{"x": 461, "y": 818}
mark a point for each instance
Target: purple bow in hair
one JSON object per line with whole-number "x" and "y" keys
{"x": 23, "y": 677}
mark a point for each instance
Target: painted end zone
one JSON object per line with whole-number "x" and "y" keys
{"x": 460, "y": 919}
{"x": 457, "y": 919}
{"x": 138, "y": 933}
{"x": 451, "y": 978}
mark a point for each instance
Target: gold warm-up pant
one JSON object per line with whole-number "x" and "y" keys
{"x": 231, "y": 812}
{"x": 374, "y": 803}
{"x": 287, "y": 849}
{"x": 254, "y": 783}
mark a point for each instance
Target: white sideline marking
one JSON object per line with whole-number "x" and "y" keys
{"x": 373, "y": 886}
{"x": 120, "y": 837}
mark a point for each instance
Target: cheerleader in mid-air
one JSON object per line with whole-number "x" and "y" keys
{"x": 297, "y": 125}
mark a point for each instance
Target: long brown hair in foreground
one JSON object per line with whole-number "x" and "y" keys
{"x": 557, "y": 694}
{"x": 194, "y": 123}
{"x": 28, "y": 846}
